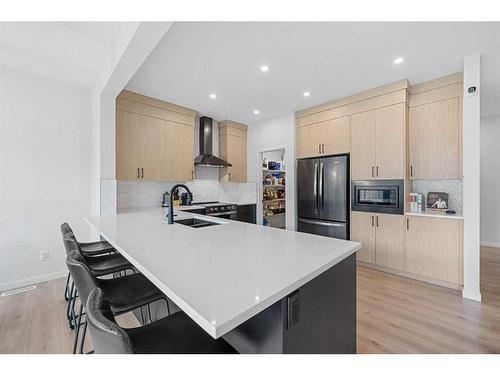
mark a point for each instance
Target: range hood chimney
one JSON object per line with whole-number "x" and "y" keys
{"x": 206, "y": 158}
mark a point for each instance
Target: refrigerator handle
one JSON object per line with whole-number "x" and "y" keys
{"x": 315, "y": 188}
{"x": 321, "y": 186}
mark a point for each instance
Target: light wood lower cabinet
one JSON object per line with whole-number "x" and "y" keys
{"x": 434, "y": 248}
{"x": 389, "y": 242}
{"x": 382, "y": 237}
{"x": 363, "y": 230}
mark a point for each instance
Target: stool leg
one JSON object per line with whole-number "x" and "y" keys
{"x": 78, "y": 324}
{"x": 84, "y": 334}
{"x": 72, "y": 312}
{"x": 69, "y": 305}
{"x": 66, "y": 297}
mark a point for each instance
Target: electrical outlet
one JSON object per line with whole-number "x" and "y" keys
{"x": 44, "y": 256}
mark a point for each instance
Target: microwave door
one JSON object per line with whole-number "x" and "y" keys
{"x": 307, "y": 188}
{"x": 333, "y": 188}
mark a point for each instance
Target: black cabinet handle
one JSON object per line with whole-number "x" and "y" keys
{"x": 407, "y": 224}
{"x": 372, "y": 221}
{"x": 142, "y": 172}
{"x": 411, "y": 170}
{"x": 323, "y": 148}
{"x": 377, "y": 170}
{"x": 138, "y": 173}
{"x": 377, "y": 221}
{"x": 319, "y": 149}
{"x": 372, "y": 171}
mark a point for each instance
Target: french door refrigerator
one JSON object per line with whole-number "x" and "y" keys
{"x": 323, "y": 201}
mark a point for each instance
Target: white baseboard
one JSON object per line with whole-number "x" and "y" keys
{"x": 32, "y": 280}
{"x": 474, "y": 296}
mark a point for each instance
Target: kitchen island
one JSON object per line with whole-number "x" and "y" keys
{"x": 264, "y": 290}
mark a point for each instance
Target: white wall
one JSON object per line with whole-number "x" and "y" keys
{"x": 490, "y": 181}
{"x": 44, "y": 172}
{"x": 272, "y": 134}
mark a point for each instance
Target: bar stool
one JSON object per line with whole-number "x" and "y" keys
{"x": 99, "y": 266}
{"x": 175, "y": 334}
{"x": 125, "y": 293}
{"x": 88, "y": 248}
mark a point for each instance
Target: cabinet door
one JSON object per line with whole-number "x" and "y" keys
{"x": 390, "y": 142}
{"x": 363, "y": 230}
{"x": 363, "y": 146}
{"x": 179, "y": 152}
{"x": 434, "y": 140}
{"x": 334, "y": 134}
{"x": 309, "y": 141}
{"x": 389, "y": 242}
{"x": 127, "y": 146}
{"x": 433, "y": 248}
{"x": 152, "y": 148}
{"x": 237, "y": 156}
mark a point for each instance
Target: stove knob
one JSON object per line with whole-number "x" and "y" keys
{"x": 223, "y": 208}
{"x": 215, "y": 209}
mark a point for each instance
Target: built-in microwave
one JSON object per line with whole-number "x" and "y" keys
{"x": 384, "y": 196}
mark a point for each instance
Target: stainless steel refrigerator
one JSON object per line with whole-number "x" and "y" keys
{"x": 323, "y": 196}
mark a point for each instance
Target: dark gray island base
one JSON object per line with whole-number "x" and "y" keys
{"x": 319, "y": 317}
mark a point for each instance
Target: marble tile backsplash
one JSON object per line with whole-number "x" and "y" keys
{"x": 143, "y": 194}
{"x": 453, "y": 187}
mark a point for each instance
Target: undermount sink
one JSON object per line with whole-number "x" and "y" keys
{"x": 195, "y": 223}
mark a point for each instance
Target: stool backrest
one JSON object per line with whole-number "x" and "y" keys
{"x": 107, "y": 336}
{"x": 71, "y": 244}
{"x": 65, "y": 229}
{"x": 84, "y": 280}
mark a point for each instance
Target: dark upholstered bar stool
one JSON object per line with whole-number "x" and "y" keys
{"x": 99, "y": 265}
{"x": 88, "y": 248}
{"x": 125, "y": 293}
{"x": 175, "y": 334}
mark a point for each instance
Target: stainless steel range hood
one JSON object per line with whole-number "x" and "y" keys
{"x": 206, "y": 158}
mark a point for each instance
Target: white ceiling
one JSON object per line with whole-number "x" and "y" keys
{"x": 71, "y": 52}
{"x": 331, "y": 60}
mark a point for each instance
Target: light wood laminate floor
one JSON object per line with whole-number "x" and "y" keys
{"x": 395, "y": 315}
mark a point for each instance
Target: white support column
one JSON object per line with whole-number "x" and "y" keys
{"x": 471, "y": 181}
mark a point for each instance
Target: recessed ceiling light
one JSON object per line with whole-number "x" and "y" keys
{"x": 256, "y": 111}
{"x": 399, "y": 60}
{"x": 213, "y": 96}
{"x": 264, "y": 68}
{"x": 307, "y": 94}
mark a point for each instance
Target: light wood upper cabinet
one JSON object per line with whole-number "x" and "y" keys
{"x": 389, "y": 241}
{"x": 154, "y": 139}
{"x": 435, "y": 140}
{"x": 152, "y": 148}
{"x": 233, "y": 149}
{"x": 179, "y": 154}
{"x": 128, "y": 146}
{"x": 434, "y": 248}
{"x": 363, "y": 145}
{"x": 324, "y": 138}
{"x": 363, "y": 230}
{"x": 390, "y": 141}
{"x": 378, "y": 143}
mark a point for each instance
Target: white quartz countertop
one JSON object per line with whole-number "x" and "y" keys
{"x": 220, "y": 275}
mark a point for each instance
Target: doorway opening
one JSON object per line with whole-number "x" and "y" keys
{"x": 272, "y": 191}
